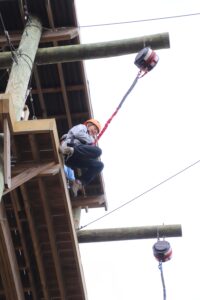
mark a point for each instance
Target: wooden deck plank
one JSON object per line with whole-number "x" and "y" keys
{"x": 26, "y": 175}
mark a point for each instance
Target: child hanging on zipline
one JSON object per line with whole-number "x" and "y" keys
{"x": 79, "y": 150}
{"x": 79, "y": 145}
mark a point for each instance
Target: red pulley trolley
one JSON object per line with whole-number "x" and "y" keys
{"x": 146, "y": 59}
{"x": 162, "y": 251}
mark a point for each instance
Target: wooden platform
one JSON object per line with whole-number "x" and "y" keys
{"x": 39, "y": 253}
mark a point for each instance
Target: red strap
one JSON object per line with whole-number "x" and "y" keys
{"x": 119, "y": 106}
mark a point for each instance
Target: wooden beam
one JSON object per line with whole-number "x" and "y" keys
{"x": 61, "y": 54}
{"x": 30, "y": 126}
{"x": 6, "y": 154}
{"x": 87, "y": 201}
{"x": 34, "y": 147}
{"x": 59, "y": 34}
{"x": 84, "y": 115}
{"x": 33, "y": 126}
{"x": 15, "y": 204}
{"x": 51, "y": 171}
{"x": 7, "y": 109}
{"x": 60, "y": 70}
{"x": 52, "y": 239}
{"x": 21, "y": 167}
{"x": 100, "y": 50}
{"x": 8, "y": 263}
{"x": 48, "y": 35}
{"x": 28, "y": 174}
{"x": 87, "y": 89}
{"x": 40, "y": 93}
{"x": 129, "y": 233}
{"x": 73, "y": 236}
{"x": 77, "y": 217}
{"x": 36, "y": 244}
{"x": 21, "y": 9}
{"x": 70, "y": 88}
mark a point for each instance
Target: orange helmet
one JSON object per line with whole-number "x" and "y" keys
{"x": 94, "y": 122}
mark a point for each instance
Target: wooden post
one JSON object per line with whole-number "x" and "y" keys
{"x": 20, "y": 75}
{"x": 17, "y": 88}
{"x": 130, "y": 233}
{"x": 81, "y": 52}
{"x": 6, "y": 154}
{"x": 22, "y": 68}
{"x": 77, "y": 216}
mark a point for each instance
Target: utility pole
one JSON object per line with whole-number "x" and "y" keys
{"x": 22, "y": 66}
{"x": 128, "y": 233}
{"x": 61, "y": 54}
{"x": 22, "y": 63}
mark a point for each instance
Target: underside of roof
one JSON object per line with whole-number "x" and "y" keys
{"x": 39, "y": 253}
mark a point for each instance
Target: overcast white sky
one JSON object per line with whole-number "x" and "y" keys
{"x": 154, "y": 135}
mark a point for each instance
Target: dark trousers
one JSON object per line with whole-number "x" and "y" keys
{"x": 85, "y": 157}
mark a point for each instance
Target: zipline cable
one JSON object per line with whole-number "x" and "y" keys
{"x": 139, "y": 21}
{"x": 140, "y": 195}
